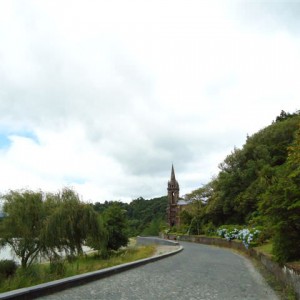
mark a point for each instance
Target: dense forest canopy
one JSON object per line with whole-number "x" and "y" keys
{"x": 145, "y": 217}
{"x": 258, "y": 185}
{"x": 247, "y": 173}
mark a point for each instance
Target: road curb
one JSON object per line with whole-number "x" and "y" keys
{"x": 73, "y": 281}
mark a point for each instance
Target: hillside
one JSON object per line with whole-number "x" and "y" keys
{"x": 259, "y": 185}
{"x": 144, "y": 216}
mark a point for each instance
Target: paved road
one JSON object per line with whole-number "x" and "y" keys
{"x": 198, "y": 272}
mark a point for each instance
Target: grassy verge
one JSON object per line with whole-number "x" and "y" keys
{"x": 266, "y": 249}
{"x": 284, "y": 292}
{"x": 40, "y": 273}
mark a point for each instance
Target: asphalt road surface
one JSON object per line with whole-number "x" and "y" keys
{"x": 198, "y": 272}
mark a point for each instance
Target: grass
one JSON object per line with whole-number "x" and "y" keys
{"x": 284, "y": 292}
{"x": 40, "y": 273}
{"x": 266, "y": 249}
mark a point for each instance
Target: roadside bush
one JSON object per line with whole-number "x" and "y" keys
{"x": 249, "y": 237}
{"x": 183, "y": 229}
{"x": 7, "y": 268}
{"x": 209, "y": 229}
{"x": 284, "y": 246}
{"x": 196, "y": 226}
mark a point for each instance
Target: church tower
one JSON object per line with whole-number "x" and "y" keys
{"x": 173, "y": 196}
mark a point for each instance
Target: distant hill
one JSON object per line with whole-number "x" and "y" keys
{"x": 144, "y": 216}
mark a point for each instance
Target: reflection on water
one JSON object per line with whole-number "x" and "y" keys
{"x": 6, "y": 253}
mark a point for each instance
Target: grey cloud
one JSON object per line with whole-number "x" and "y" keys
{"x": 51, "y": 80}
{"x": 270, "y": 15}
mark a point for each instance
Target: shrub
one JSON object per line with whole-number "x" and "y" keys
{"x": 196, "y": 226}
{"x": 7, "y": 268}
{"x": 209, "y": 229}
{"x": 249, "y": 237}
{"x": 284, "y": 246}
{"x": 183, "y": 229}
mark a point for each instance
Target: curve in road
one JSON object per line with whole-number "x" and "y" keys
{"x": 198, "y": 272}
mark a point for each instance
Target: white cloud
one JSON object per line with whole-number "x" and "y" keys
{"x": 116, "y": 91}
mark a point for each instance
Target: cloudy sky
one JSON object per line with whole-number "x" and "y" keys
{"x": 104, "y": 96}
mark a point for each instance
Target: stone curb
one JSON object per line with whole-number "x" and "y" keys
{"x": 73, "y": 281}
{"x": 150, "y": 240}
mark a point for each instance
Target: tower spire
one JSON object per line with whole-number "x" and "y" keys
{"x": 173, "y": 197}
{"x": 173, "y": 173}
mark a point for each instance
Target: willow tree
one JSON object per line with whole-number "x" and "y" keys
{"x": 70, "y": 225}
{"x": 50, "y": 225}
{"x": 23, "y": 224}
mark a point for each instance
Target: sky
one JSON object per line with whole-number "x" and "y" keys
{"x": 103, "y": 96}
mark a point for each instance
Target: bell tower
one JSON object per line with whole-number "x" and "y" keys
{"x": 173, "y": 196}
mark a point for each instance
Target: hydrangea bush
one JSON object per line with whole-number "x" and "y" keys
{"x": 249, "y": 237}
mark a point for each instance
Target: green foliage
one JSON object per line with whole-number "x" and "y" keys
{"x": 259, "y": 185}
{"x": 196, "y": 226}
{"x": 153, "y": 228}
{"x": 40, "y": 273}
{"x": 116, "y": 224}
{"x": 98, "y": 241}
{"x": 281, "y": 205}
{"x": 142, "y": 214}
{"x": 194, "y": 213}
{"x": 71, "y": 223}
{"x": 101, "y": 207}
{"x": 46, "y": 224}
{"x": 200, "y": 195}
{"x": 58, "y": 267}
{"x": 246, "y": 173}
{"x": 7, "y": 268}
{"x": 186, "y": 217}
{"x": 23, "y": 225}
{"x": 285, "y": 115}
{"x": 209, "y": 229}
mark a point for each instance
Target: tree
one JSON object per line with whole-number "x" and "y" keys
{"x": 23, "y": 225}
{"x": 115, "y": 221}
{"x": 36, "y": 223}
{"x": 281, "y": 205}
{"x": 197, "y": 200}
{"x": 246, "y": 173}
{"x": 153, "y": 228}
{"x": 71, "y": 224}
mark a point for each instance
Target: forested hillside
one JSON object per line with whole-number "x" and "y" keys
{"x": 145, "y": 217}
{"x": 258, "y": 185}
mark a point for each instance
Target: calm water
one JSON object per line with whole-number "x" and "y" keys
{"x": 5, "y": 253}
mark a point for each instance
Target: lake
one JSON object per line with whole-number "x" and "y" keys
{"x": 6, "y": 253}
